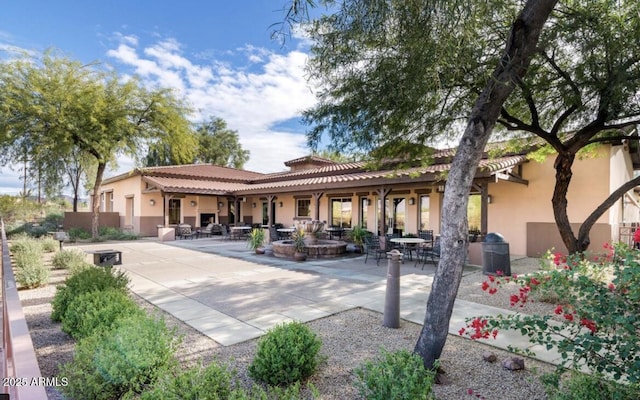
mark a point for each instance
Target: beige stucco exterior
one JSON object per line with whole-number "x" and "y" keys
{"x": 520, "y": 210}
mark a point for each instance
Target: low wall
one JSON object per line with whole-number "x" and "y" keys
{"x": 543, "y": 236}
{"x": 83, "y": 220}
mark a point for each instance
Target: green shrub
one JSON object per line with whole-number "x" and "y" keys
{"x": 97, "y": 311}
{"x": 197, "y": 383}
{"x": 287, "y": 353}
{"x": 124, "y": 361}
{"x": 65, "y": 259}
{"x": 110, "y": 233}
{"x": 23, "y": 242}
{"x": 78, "y": 233}
{"x": 395, "y": 375}
{"x": 49, "y": 244}
{"x": 578, "y": 386}
{"x": 30, "y": 270}
{"x": 87, "y": 280}
{"x": 292, "y": 392}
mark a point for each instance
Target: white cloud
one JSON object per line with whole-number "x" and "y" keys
{"x": 267, "y": 89}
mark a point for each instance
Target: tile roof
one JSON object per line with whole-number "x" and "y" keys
{"x": 203, "y": 171}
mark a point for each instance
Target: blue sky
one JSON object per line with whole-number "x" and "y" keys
{"x": 218, "y": 54}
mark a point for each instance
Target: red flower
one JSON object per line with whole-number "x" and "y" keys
{"x": 494, "y": 333}
{"x": 515, "y": 276}
{"x": 611, "y": 286}
{"x": 492, "y": 278}
{"x": 461, "y": 331}
{"x": 514, "y": 299}
{"x": 499, "y": 273}
{"x": 589, "y": 324}
{"x": 493, "y": 290}
{"x": 559, "y": 310}
{"x": 485, "y": 285}
{"x": 568, "y": 317}
{"x": 534, "y": 282}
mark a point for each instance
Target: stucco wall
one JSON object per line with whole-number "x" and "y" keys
{"x": 514, "y": 205}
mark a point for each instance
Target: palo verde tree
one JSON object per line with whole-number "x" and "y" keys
{"x": 396, "y": 74}
{"x": 65, "y": 106}
{"x": 582, "y": 89}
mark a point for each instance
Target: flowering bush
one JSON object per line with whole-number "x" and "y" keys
{"x": 596, "y": 321}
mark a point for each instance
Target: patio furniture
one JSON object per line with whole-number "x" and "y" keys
{"x": 224, "y": 232}
{"x": 275, "y": 234}
{"x": 334, "y": 231}
{"x": 373, "y": 246}
{"x": 240, "y": 232}
{"x": 184, "y": 232}
{"x": 428, "y": 251}
{"x": 407, "y": 244}
{"x": 285, "y": 233}
{"x": 208, "y": 231}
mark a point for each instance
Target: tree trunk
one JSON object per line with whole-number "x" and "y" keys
{"x": 563, "y": 165}
{"x": 585, "y": 228}
{"x": 520, "y": 48}
{"x": 95, "y": 205}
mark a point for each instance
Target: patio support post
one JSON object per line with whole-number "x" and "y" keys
{"x": 382, "y": 195}
{"x": 484, "y": 207}
{"x": 271, "y": 198}
{"x": 165, "y": 207}
{"x": 316, "y": 198}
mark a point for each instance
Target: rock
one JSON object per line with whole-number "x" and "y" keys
{"x": 489, "y": 357}
{"x": 513, "y": 364}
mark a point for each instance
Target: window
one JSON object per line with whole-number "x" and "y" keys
{"x": 364, "y": 208}
{"x": 303, "y": 207}
{"x": 106, "y": 198}
{"x": 341, "y": 213}
{"x": 473, "y": 212}
{"x": 423, "y": 223}
{"x": 265, "y": 213}
{"x": 174, "y": 211}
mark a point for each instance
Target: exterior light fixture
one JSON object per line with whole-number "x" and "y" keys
{"x": 193, "y": 203}
{"x": 220, "y": 204}
{"x": 254, "y": 205}
{"x": 152, "y": 202}
{"x": 280, "y": 204}
{"x": 412, "y": 201}
{"x": 489, "y": 199}
{"x": 440, "y": 189}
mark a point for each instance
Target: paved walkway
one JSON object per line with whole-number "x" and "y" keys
{"x": 232, "y": 295}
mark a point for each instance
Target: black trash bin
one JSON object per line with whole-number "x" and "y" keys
{"x": 495, "y": 255}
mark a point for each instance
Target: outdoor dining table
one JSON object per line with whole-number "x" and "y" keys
{"x": 335, "y": 232}
{"x": 408, "y": 243}
{"x": 240, "y": 231}
{"x": 286, "y": 231}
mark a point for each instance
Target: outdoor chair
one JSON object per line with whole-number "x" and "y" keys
{"x": 184, "y": 232}
{"x": 224, "y": 232}
{"x": 208, "y": 231}
{"x": 428, "y": 252}
{"x": 374, "y": 246}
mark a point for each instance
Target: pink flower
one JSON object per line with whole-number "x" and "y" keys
{"x": 499, "y": 273}
{"x": 611, "y": 286}
{"x": 461, "y": 331}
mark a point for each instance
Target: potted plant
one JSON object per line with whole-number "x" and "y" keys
{"x": 357, "y": 236}
{"x": 299, "y": 246}
{"x": 255, "y": 241}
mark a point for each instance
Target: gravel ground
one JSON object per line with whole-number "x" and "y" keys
{"x": 348, "y": 338}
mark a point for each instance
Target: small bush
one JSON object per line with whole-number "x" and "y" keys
{"x": 212, "y": 382}
{"x": 110, "y": 233}
{"x": 24, "y": 242}
{"x": 123, "y": 362}
{"x": 287, "y": 353}
{"x": 578, "y": 386}
{"x": 87, "y": 280}
{"x": 66, "y": 259}
{"x": 395, "y": 375}
{"x": 30, "y": 269}
{"x": 49, "y": 245}
{"x": 97, "y": 311}
{"x": 78, "y": 233}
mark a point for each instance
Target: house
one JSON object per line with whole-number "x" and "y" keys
{"x": 512, "y": 194}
